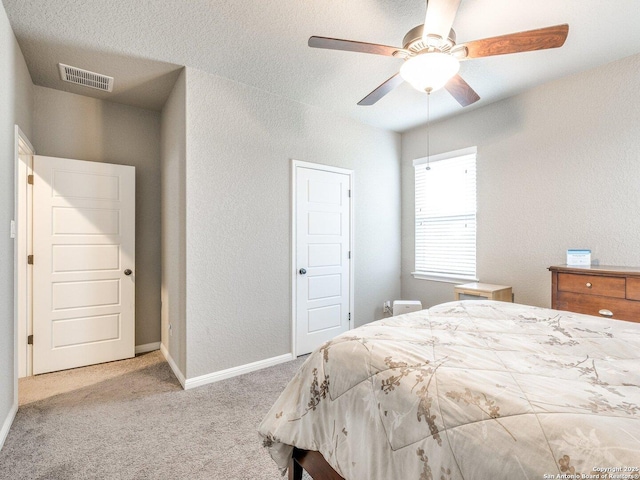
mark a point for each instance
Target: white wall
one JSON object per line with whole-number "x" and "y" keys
{"x": 74, "y": 126}
{"x": 240, "y": 142}
{"x": 16, "y": 106}
{"x": 558, "y": 168}
{"x": 173, "y": 154}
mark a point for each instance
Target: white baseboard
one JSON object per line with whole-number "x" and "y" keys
{"x": 147, "y": 347}
{"x": 7, "y": 424}
{"x": 176, "y": 371}
{"x": 235, "y": 371}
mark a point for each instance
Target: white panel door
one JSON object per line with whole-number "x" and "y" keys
{"x": 83, "y": 269}
{"x": 323, "y": 238}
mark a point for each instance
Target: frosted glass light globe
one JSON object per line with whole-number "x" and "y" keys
{"x": 429, "y": 71}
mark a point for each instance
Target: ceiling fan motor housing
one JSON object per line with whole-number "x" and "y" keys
{"x": 414, "y": 42}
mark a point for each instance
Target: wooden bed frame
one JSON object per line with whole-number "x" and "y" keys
{"x": 313, "y": 463}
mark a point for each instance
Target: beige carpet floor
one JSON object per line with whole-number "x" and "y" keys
{"x": 132, "y": 420}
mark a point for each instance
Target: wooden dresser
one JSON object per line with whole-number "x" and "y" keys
{"x": 605, "y": 291}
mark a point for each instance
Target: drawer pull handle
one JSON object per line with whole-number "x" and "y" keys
{"x": 606, "y": 313}
{"x": 589, "y": 285}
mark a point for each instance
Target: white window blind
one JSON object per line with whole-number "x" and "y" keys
{"x": 445, "y": 228}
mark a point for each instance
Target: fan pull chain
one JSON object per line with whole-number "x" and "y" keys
{"x": 428, "y": 156}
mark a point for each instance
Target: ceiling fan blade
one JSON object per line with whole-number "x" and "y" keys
{"x": 382, "y": 90}
{"x": 540, "y": 39}
{"x": 352, "y": 46}
{"x": 461, "y": 91}
{"x": 440, "y": 16}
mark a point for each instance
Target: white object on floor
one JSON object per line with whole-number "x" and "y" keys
{"x": 406, "y": 306}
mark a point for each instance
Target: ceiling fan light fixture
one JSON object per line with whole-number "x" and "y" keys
{"x": 429, "y": 71}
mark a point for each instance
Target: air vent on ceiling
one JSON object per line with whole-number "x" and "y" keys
{"x": 86, "y": 78}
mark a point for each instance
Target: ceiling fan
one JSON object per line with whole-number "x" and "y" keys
{"x": 432, "y": 57}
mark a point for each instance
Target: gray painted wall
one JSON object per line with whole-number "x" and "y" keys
{"x": 240, "y": 142}
{"x": 74, "y": 126}
{"x": 558, "y": 168}
{"x": 16, "y": 107}
{"x": 173, "y": 161}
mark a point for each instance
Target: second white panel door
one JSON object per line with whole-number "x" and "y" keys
{"x": 323, "y": 238}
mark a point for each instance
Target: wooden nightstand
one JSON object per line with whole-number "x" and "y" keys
{"x": 476, "y": 291}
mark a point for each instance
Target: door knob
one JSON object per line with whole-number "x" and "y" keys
{"x": 302, "y": 271}
{"x": 128, "y": 272}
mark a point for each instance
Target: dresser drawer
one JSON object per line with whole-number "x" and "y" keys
{"x": 633, "y": 288}
{"x": 592, "y": 285}
{"x": 592, "y": 304}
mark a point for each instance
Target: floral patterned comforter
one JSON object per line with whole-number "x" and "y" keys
{"x": 469, "y": 390}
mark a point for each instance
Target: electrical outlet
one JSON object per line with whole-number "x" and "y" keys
{"x": 13, "y": 229}
{"x": 386, "y": 309}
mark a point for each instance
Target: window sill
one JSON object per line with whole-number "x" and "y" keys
{"x": 434, "y": 277}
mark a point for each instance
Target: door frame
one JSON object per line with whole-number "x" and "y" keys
{"x": 22, "y": 247}
{"x": 293, "y": 270}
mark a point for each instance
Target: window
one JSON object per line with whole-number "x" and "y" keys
{"x": 445, "y": 228}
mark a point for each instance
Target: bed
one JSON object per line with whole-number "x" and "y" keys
{"x": 465, "y": 390}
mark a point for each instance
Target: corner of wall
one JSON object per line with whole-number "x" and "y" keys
{"x": 173, "y": 295}
{"x": 15, "y": 109}
{"x": 6, "y": 426}
{"x": 174, "y": 367}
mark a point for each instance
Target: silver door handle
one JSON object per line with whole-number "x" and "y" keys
{"x": 128, "y": 272}
{"x": 302, "y": 271}
{"x": 606, "y": 313}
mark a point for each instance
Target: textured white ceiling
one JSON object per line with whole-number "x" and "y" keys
{"x": 264, "y": 44}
